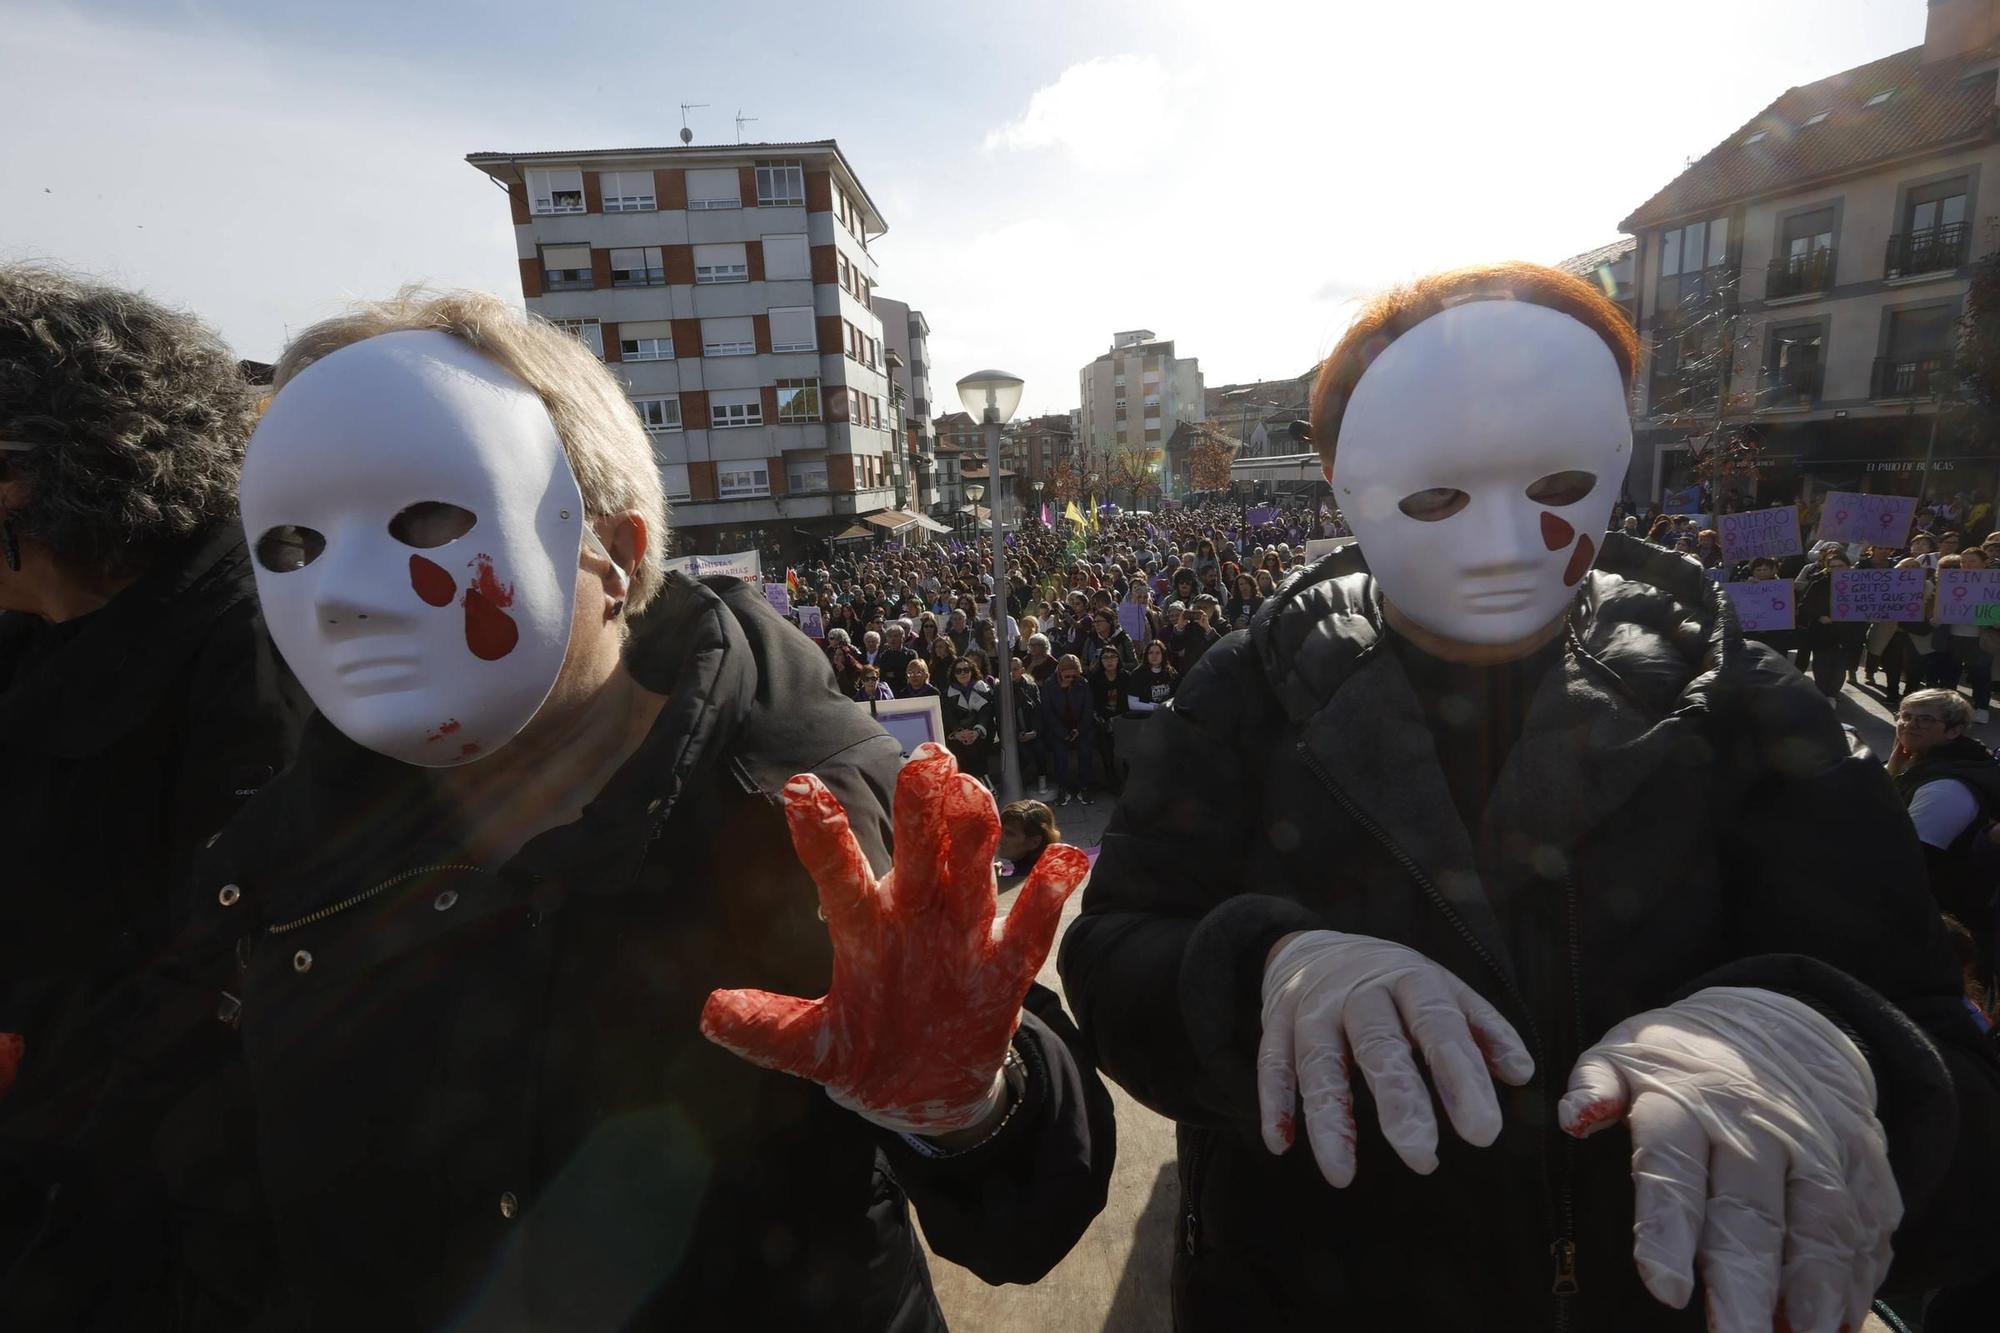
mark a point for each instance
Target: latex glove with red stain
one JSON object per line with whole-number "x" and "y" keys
{"x": 925, "y": 998}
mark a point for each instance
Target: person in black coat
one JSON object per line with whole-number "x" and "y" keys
{"x": 894, "y": 660}
{"x": 1067, "y": 730}
{"x": 1609, "y": 835}
{"x": 971, "y": 717}
{"x": 140, "y": 703}
{"x": 456, "y": 1017}
{"x": 1835, "y": 645}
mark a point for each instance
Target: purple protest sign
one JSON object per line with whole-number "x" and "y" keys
{"x": 1964, "y": 593}
{"x": 1878, "y": 594}
{"x": 780, "y": 598}
{"x": 1761, "y": 607}
{"x": 1883, "y": 520}
{"x": 1760, "y": 532}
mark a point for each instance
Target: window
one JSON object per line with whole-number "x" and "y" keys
{"x": 1118, "y": 403}
{"x": 793, "y": 329}
{"x": 727, "y": 411}
{"x": 1816, "y": 117}
{"x": 674, "y": 479}
{"x": 846, "y": 274}
{"x": 1758, "y": 137}
{"x": 659, "y": 414}
{"x": 566, "y": 268}
{"x": 1118, "y": 382}
{"x": 639, "y": 267}
{"x": 1687, "y": 254}
{"x": 721, "y": 263}
{"x": 1939, "y": 205}
{"x": 735, "y": 336}
{"x": 733, "y": 483}
{"x": 787, "y": 256}
{"x": 714, "y": 187}
{"x": 1919, "y": 345}
{"x": 1792, "y": 361}
{"x": 1807, "y": 232}
{"x": 1153, "y": 402}
{"x": 555, "y": 192}
{"x": 781, "y": 183}
{"x": 1804, "y": 262}
{"x": 1879, "y": 98}
{"x": 626, "y": 191}
{"x": 589, "y": 332}
{"x": 805, "y": 474}
{"x": 646, "y": 340}
{"x": 1934, "y": 234}
{"x": 798, "y": 400}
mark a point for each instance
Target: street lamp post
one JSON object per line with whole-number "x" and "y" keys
{"x": 991, "y": 397}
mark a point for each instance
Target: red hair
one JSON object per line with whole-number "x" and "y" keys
{"x": 1395, "y": 312}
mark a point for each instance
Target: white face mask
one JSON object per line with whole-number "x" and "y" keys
{"x": 1477, "y": 463}
{"x": 416, "y": 527}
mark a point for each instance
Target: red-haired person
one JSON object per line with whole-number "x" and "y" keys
{"x": 1473, "y": 914}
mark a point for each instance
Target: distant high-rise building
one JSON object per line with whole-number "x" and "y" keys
{"x": 1135, "y": 394}
{"x": 907, "y": 333}
{"x": 731, "y": 291}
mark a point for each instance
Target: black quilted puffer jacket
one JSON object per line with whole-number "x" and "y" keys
{"x": 1681, "y": 810}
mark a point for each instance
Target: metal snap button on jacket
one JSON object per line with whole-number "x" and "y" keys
{"x": 509, "y": 1205}
{"x": 445, "y": 901}
{"x": 229, "y": 895}
{"x": 302, "y": 961}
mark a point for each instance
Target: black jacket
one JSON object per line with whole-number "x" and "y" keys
{"x": 127, "y": 739}
{"x": 481, "y": 1098}
{"x": 1681, "y": 810}
{"x": 1962, "y": 880}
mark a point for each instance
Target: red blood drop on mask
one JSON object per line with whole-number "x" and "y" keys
{"x": 1556, "y": 534}
{"x": 489, "y": 632}
{"x": 1579, "y": 562}
{"x": 445, "y": 730}
{"x": 432, "y": 584}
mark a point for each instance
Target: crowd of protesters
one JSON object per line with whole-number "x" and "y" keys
{"x": 1103, "y": 620}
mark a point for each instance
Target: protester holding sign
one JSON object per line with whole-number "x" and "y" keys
{"x": 1835, "y": 645}
{"x": 1968, "y": 598}
{"x": 1756, "y": 532}
{"x": 1766, "y": 629}
{"x": 1515, "y": 945}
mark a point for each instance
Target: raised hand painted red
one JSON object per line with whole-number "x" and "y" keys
{"x": 925, "y": 998}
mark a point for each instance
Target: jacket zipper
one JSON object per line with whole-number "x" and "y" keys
{"x": 355, "y": 900}
{"x": 1190, "y": 1207}
{"x": 1563, "y": 1249}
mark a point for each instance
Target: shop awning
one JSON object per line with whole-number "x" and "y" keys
{"x": 929, "y": 524}
{"x": 982, "y": 514}
{"x": 892, "y": 521}
{"x": 857, "y": 533}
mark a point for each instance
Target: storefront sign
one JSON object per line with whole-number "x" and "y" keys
{"x": 1878, "y": 594}
{"x": 1883, "y": 520}
{"x": 1761, "y": 607}
{"x": 1968, "y": 597}
{"x": 1760, "y": 532}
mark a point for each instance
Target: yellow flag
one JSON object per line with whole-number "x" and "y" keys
{"x": 1072, "y": 514}
{"x": 1093, "y": 513}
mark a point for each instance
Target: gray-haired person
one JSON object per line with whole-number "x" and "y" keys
{"x": 140, "y": 703}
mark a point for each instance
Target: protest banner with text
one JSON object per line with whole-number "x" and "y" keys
{"x": 1968, "y": 597}
{"x": 1878, "y": 594}
{"x": 1883, "y": 520}
{"x": 1762, "y": 607}
{"x": 1760, "y": 532}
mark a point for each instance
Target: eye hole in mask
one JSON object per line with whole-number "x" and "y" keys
{"x": 1434, "y": 505}
{"x": 288, "y": 547}
{"x": 1562, "y": 488}
{"x": 430, "y": 523}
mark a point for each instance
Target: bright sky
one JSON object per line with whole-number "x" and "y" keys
{"x": 1231, "y": 175}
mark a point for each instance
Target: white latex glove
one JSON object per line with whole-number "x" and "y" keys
{"x": 1755, "y": 1152}
{"x": 1329, "y": 998}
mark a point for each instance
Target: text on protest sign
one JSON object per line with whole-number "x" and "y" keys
{"x": 1761, "y": 607}
{"x": 1882, "y": 519}
{"x": 1878, "y": 594}
{"x": 811, "y": 622}
{"x": 780, "y": 598}
{"x": 1968, "y": 596}
{"x": 1760, "y": 532}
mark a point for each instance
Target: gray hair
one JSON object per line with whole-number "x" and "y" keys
{"x": 836, "y": 635}
{"x": 1952, "y": 709}
{"x": 137, "y": 414}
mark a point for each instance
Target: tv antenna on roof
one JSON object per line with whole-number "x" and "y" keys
{"x": 741, "y": 121}
{"x": 687, "y": 135}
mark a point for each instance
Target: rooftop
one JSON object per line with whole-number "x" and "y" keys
{"x": 1586, "y": 264}
{"x": 1837, "y": 127}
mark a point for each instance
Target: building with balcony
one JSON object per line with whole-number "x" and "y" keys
{"x": 1258, "y": 417}
{"x": 1134, "y": 395}
{"x": 1802, "y": 282}
{"x": 731, "y": 290}
{"x": 907, "y": 334}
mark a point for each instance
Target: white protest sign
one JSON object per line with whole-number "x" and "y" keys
{"x": 811, "y": 623}
{"x": 1883, "y": 520}
{"x": 1878, "y": 594}
{"x": 1760, "y": 532}
{"x": 738, "y": 565}
{"x": 780, "y": 598}
{"x": 1320, "y": 546}
{"x": 1968, "y": 596}
{"x": 1762, "y": 607}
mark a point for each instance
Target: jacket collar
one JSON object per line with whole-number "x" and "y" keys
{"x": 118, "y": 662}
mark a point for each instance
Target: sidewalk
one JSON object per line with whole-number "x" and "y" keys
{"x": 1116, "y": 1279}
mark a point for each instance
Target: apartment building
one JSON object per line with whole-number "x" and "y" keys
{"x": 907, "y": 334}
{"x": 1135, "y": 394}
{"x": 1802, "y": 282}
{"x": 1609, "y": 268}
{"x": 731, "y": 290}
{"x": 1259, "y": 415}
